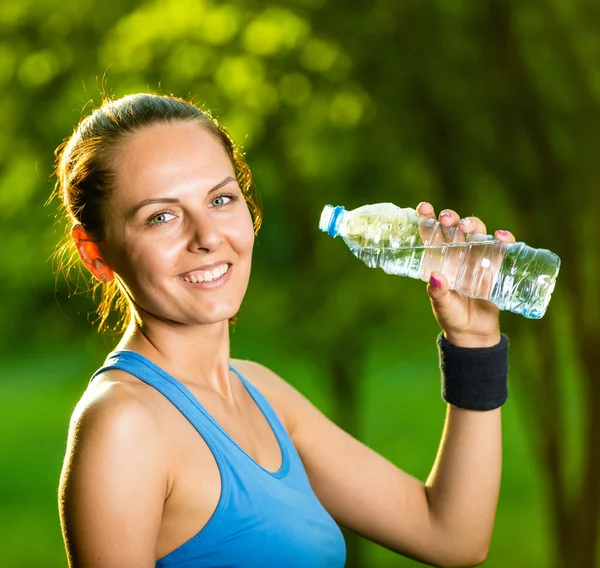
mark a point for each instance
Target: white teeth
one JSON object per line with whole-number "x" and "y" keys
{"x": 207, "y": 275}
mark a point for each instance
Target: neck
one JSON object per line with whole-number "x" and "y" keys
{"x": 197, "y": 355}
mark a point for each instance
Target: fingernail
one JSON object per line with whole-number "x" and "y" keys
{"x": 465, "y": 221}
{"x": 435, "y": 282}
{"x": 503, "y": 233}
{"x": 446, "y": 214}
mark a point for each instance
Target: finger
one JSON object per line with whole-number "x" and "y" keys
{"x": 449, "y": 222}
{"x": 426, "y": 222}
{"x": 505, "y": 236}
{"x": 426, "y": 209}
{"x": 439, "y": 291}
{"x": 473, "y": 225}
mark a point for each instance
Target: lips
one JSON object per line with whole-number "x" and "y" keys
{"x": 207, "y": 285}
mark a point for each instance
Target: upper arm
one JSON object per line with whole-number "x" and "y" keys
{"x": 112, "y": 485}
{"x": 362, "y": 490}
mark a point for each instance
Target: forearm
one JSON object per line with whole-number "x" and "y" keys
{"x": 463, "y": 486}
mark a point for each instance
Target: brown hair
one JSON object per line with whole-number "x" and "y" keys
{"x": 84, "y": 178}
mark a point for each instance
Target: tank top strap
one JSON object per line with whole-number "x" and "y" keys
{"x": 223, "y": 447}
{"x": 266, "y": 409}
{"x": 176, "y": 392}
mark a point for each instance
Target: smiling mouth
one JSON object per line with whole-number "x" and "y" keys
{"x": 206, "y": 275}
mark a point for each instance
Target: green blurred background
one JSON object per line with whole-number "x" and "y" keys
{"x": 489, "y": 108}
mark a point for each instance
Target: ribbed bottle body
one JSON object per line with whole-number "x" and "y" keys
{"x": 515, "y": 276}
{"x": 526, "y": 280}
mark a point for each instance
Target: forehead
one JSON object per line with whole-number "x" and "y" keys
{"x": 169, "y": 154}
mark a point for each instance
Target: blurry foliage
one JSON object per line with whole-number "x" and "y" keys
{"x": 489, "y": 108}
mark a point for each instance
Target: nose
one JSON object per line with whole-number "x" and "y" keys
{"x": 204, "y": 233}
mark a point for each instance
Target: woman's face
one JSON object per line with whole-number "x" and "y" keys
{"x": 177, "y": 215}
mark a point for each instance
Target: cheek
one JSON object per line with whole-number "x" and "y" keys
{"x": 139, "y": 261}
{"x": 241, "y": 232}
{"x": 132, "y": 265}
{"x": 247, "y": 233}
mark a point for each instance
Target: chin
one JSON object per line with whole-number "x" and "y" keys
{"x": 201, "y": 315}
{"x": 217, "y": 315}
{"x": 214, "y": 320}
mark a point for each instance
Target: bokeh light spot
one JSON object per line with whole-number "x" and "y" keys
{"x": 38, "y": 68}
{"x": 319, "y": 55}
{"x": 295, "y": 89}
{"x": 220, "y": 25}
{"x": 273, "y": 31}
{"x": 346, "y": 109}
{"x": 238, "y": 75}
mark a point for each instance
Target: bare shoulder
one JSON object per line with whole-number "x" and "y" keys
{"x": 111, "y": 403}
{"x": 114, "y": 479}
{"x": 114, "y": 422}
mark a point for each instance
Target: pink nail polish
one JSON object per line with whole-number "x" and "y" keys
{"x": 446, "y": 214}
{"x": 435, "y": 282}
{"x": 503, "y": 233}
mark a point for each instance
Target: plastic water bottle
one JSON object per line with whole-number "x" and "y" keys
{"x": 513, "y": 276}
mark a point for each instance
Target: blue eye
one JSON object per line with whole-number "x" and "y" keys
{"x": 160, "y": 218}
{"x": 228, "y": 196}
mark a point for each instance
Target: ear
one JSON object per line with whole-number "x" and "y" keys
{"x": 90, "y": 255}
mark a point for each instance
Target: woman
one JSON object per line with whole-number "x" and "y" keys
{"x": 180, "y": 456}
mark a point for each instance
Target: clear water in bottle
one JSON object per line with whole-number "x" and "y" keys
{"x": 515, "y": 276}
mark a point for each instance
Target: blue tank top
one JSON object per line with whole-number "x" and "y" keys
{"x": 263, "y": 519}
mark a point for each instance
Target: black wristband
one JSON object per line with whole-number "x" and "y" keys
{"x": 475, "y": 378}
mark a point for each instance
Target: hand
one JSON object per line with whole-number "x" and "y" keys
{"x": 467, "y": 322}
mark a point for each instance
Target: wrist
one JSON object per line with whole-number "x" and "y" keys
{"x": 474, "y": 379}
{"x": 471, "y": 340}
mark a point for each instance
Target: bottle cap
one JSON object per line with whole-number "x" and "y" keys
{"x": 329, "y": 219}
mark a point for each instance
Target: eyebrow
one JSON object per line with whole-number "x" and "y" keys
{"x": 153, "y": 200}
